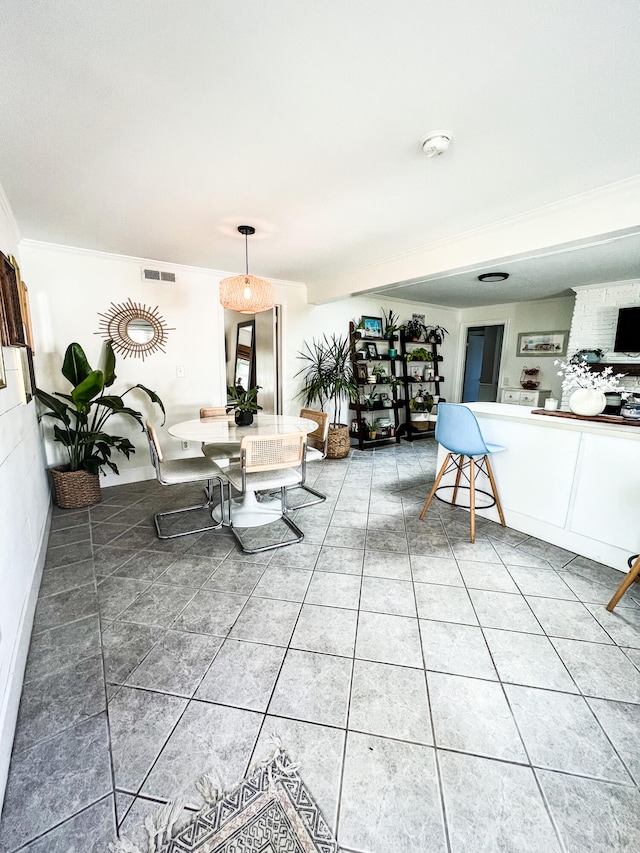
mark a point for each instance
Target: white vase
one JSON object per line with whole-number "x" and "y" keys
{"x": 587, "y": 402}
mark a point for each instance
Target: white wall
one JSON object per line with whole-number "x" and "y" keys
{"x": 24, "y": 500}
{"x": 539, "y": 316}
{"x": 303, "y": 322}
{"x": 70, "y": 287}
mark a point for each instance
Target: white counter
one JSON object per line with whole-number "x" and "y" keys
{"x": 573, "y": 483}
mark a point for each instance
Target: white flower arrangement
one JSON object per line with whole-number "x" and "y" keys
{"x": 577, "y": 374}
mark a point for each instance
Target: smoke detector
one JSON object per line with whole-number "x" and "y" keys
{"x": 435, "y": 143}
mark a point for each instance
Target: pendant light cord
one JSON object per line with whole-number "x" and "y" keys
{"x": 246, "y": 255}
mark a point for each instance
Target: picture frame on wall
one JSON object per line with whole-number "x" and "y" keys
{"x": 25, "y": 308}
{"x": 543, "y": 343}
{"x": 3, "y": 375}
{"x": 372, "y": 326}
{"x": 12, "y": 329}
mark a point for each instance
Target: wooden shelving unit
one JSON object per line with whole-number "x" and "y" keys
{"x": 364, "y": 412}
{"x": 411, "y": 384}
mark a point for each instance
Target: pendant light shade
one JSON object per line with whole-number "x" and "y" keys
{"x": 246, "y": 293}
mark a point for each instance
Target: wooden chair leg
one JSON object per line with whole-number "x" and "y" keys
{"x": 435, "y": 486}
{"x": 460, "y": 464}
{"x": 472, "y": 498}
{"x": 632, "y": 575}
{"x": 495, "y": 492}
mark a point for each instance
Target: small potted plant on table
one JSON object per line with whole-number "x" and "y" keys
{"x": 243, "y": 403}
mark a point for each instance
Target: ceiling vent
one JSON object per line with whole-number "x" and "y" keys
{"x": 158, "y": 275}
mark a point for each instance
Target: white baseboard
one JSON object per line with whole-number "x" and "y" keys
{"x": 11, "y": 699}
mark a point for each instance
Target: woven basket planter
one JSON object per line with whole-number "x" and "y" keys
{"x": 74, "y": 489}
{"x": 338, "y": 442}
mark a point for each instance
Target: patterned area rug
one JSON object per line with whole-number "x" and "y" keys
{"x": 271, "y": 811}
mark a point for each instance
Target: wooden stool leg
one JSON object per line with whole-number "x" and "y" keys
{"x": 460, "y": 464}
{"x": 632, "y": 574}
{"x": 435, "y": 486}
{"x": 495, "y": 492}
{"x": 472, "y": 498}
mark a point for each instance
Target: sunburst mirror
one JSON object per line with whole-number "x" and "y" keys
{"x": 134, "y": 329}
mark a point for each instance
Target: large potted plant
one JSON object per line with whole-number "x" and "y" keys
{"x": 329, "y": 381}
{"x": 80, "y": 420}
{"x": 243, "y": 403}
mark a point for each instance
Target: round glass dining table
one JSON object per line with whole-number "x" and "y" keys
{"x": 246, "y": 511}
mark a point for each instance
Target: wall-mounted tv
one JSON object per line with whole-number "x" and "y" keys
{"x": 628, "y": 330}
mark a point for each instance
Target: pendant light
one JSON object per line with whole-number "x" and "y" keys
{"x": 246, "y": 293}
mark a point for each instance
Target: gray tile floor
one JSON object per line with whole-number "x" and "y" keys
{"x": 440, "y": 696}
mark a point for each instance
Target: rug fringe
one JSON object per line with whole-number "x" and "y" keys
{"x": 160, "y": 826}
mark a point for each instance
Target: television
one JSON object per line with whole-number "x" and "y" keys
{"x": 628, "y": 330}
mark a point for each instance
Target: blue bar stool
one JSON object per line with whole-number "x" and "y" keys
{"x": 458, "y": 431}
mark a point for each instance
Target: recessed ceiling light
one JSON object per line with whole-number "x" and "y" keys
{"x": 493, "y": 276}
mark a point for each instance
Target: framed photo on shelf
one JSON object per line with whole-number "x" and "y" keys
{"x": 361, "y": 372}
{"x": 543, "y": 343}
{"x": 372, "y": 351}
{"x": 372, "y": 327}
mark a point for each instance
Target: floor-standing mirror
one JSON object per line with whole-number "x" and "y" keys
{"x": 245, "y": 367}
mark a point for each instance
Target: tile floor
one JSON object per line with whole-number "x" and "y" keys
{"x": 440, "y": 696}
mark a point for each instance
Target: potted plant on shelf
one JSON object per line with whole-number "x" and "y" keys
{"x": 243, "y": 403}
{"x": 420, "y": 354}
{"x": 420, "y": 407}
{"x": 328, "y": 379}
{"x": 414, "y": 329}
{"x": 435, "y": 334}
{"x": 390, "y": 323}
{"x": 80, "y": 420}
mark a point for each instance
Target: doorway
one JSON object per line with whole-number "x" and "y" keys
{"x": 482, "y": 364}
{"x": 254, "y": 342}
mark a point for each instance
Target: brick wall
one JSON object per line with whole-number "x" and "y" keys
{"x": 595, "y": 316}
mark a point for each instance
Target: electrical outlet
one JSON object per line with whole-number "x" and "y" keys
{"x": 180, "y": 371}
{"x": 185, "y": 445}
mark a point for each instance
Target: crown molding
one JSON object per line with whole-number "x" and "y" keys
{"x": 149, "y": 262}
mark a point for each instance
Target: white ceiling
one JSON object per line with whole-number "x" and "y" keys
{"x": 154, "y": 129}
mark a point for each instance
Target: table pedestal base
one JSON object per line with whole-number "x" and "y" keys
{"x": 247, "y": 511}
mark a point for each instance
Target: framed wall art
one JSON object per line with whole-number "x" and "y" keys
{"x": 372, "y": 327}
{"x": 12, "y": 330}
{"x": 543, "y": 343}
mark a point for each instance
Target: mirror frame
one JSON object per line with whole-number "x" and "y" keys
{"x": 245, "y": 353}
{"x": 114, "y": 327}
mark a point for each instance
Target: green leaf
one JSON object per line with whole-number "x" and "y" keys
{"x": 154, "y": 399}
{"x": 75, "y": 367}
{"x": 58, "y": 408}
{"x": 89, "y": 388}
{"x": 109, "y": 365}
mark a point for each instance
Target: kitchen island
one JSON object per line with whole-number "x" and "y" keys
{"x": 572, "y": 482}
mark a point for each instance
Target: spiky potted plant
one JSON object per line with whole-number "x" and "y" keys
{"x": 80, "y": 421}
{"x": 328, "y": 380}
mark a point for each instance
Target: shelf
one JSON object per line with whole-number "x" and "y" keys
{"x": 631, "y": 368}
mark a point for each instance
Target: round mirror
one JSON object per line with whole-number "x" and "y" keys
{"x": 133, "y": 329}
{"x": 140, "y": 331}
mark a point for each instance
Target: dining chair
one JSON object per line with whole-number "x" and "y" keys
{"x": 170, "y": 472}
{"x": 458, "y": 431}
{"x": 221, "y": 454}
{"x": 632, "y": 575}
{"x": 266, "y": 463}
{"x": 315, "y": 452}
